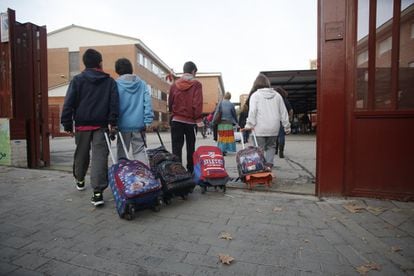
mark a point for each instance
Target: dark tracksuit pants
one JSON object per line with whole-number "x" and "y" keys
{"x": 179, "y": 132}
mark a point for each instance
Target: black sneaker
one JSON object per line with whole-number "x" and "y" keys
{"x": 97, "y": 199}
{"x": 80, "y": 185}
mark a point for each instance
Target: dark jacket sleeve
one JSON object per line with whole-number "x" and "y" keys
{"x": 234, "y": 114}
{"x": 69, "y": 107}
{"x": 114, "y": 105}
{"x": 242, "y": 119}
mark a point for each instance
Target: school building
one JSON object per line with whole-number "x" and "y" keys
{"x": 67, "y": 45}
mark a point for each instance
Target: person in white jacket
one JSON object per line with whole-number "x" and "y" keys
{"x": 266, "y": 111}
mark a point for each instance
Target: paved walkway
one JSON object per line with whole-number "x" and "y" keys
{"x": 47, "y": 227}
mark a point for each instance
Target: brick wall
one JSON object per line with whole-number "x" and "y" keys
{"x": 58, "y": 66}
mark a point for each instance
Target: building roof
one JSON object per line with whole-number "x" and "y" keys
{"x": 106, "y": 38}
{"x": 301, "y": 86}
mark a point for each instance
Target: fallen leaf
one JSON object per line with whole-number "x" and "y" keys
{"x": 395, "y": 248}
{"x": 277, "y": 209}
{"x": 225, "y": 236}
{"x": 306, "y": 241}
{"x": 353, "y": 208}
{"x": 376, "y": 210}
{"x": 69, "y": 199}
{"x": 259, "y": 211}
{"x": 225, "y": 259}
{"x": 364, "y": 269}
{"x": 373, "y": 266}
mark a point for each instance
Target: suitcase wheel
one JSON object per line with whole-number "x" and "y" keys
{"x": 203, "y": 189}
{"x": 184, "y": 197}
{"x": 223, "y": 188}
{"x": 167, "y": 201}
{"x": 157, "y": 205}
{"x": 130, "y": 213}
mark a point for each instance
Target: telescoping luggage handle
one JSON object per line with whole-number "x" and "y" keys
{"x": 110, "y": 149}
{"x": 254, "y": 138}
{"x": 145, "y": 140}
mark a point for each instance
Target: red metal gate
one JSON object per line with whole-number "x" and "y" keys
{"x": 365, "y": 98}
{"x": 27, "y": 53}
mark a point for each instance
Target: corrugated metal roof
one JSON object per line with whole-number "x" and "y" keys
{"x": 301, "y": 86}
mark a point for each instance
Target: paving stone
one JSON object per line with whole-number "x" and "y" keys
{"x": 238, "y": 268}
{"x": 408, "y": 227}
{"x": 351, "y": 254}
{"x": 24, "y": 272}
{"x": 6, "y": 268}
{"x": 55, "y": 267}
{"x": 178, "y": 267}
{"x": 8, "y": 253}
{"x": 30, "y": 261}
{"x": 15, "y": 242}
{"x": 60, "y": 254}
{"x": 202, "y": 260}
{"x": 106, "y": 265}
{"x": 192, "y": 247}
{"x": 265, "y": 270}
{"x": 395, "y": 218}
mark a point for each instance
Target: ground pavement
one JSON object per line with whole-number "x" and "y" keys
{"x": 47, "y": 227}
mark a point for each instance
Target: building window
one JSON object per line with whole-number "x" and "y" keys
{"x": 406, "y": 63}
{"x": 385, "y": 46}
{"x": 148, "y": 63}
{"x": 374, "y": 89}
{"x": 156, "y": 116}
{"x": 74, "y": 67}
{"x": 140, "y": 59}
{"x": 155, "y": 69}
{"x": 154, "y": 92}
{"x": 362, "y": 58}
{"x": 164, "y": 95}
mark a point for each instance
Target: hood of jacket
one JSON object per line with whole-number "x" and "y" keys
{"x": 94, "y": 75}
{"x": 130, "y": 83}
{"x": 185, "y": 82}
{"x": 267, "y": 93}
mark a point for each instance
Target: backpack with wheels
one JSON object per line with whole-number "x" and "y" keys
{"x": 209, "y": 168}
{"x": 133, "y": 185}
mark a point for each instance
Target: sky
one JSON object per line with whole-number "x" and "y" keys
{"x": 238, "y": 38}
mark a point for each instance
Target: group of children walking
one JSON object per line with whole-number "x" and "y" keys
{"x": 96, "y": 103}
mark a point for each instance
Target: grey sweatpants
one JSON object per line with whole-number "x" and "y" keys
{"x": 85, "y": 140}
{"x": 134, "y": 140}
{"x": 268, "y": 144}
